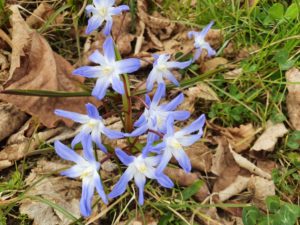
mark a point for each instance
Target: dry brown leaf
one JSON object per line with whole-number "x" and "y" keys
{"x": 240, "y": 138}
{"x": 233, "y": 74}
{"x": 59, "y": 190}
{"x": 42, "y": 69}
{"x": 269, "y": 137}
{"x": 293, "y": 97}
{"x": 213, "y": 64}
{"x": 11, "y": 119}
{"x": 261, "y": 189}
{"x": 187, "y": 179}
{"x": 200, "y": 156}
{"x": 239, "y": 184}
{"x": 140, "y": 220}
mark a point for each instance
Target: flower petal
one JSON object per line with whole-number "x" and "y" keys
{"x": 93, "y": 23}
{"x": 180, "y": 115}
{"x": 107, "y": 28}
{"x": 99, "y": 188}
{"x": 183, "y": 160}
{"x": 160, "y": 92}
{"x": 205, "y": 30}
{"x": 192, "y": 34}
{"x": 117, "y": 10}
{"x": 180, "y": 65}
{"x": 139, "y": 131}
{"x": 88, "y": 151}
{"x": 118, "y": 85}
{"x": 88, "y": 71}
{"x": 92, "y": 111}
{"x": 86, "y": 197}
{"x": 81, "y": 136}
{"x": 164, "y": 180}
{"x": 189, "y": 140}
{"x": 73, "y": 172}
{"x": 121, "y": 185}
{"x": 128, "y": 65}
{"x": 140, "y": 181}
{"x": 77, "y": 117}
{"x": 172, "y": 105}
{"x": 124, "y": 158}
{"x": 152, "y": 78}
{"x": 112, "y": 134}
{"x": 171, "y": 78}
{"x": 140, "y": 121}
{"x": 109, "y": 49}
{"x": 170, "y": 125}
{"x": 197, "y": 53}
{"x": 165, "y": 159}
{"x": 90, "y": 9}
{"x": 100, "y": 88}
{"x": 66, "y": 153}
{"x": 209, "y": 49}
{"x": 194, "y": 126}
{"x": 97, "y": 57}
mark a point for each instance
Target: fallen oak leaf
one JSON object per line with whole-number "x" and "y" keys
{"x": 42, "y": 69}
{"x": 269, "y": 137}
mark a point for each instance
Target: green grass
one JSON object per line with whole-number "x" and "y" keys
{"x": 257, "y": 96}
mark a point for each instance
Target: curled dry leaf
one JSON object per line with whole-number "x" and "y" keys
{"x": 269, "y": 137}
{"x": 59, "y": 190}
{"x": 41, "y": 69}
{"x": 11, "y": 119}
{"x": 239, "y": 184}
{"x": 213, "y": 64}
{"x": 293, "y": 97}
{"x": 261, "y": 189}
{"x": 240, "y": 138}
{"x": 233, "y": 74}
{"x": 187, "y": 179}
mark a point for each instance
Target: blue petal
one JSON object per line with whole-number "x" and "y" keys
{"x": 121, "y": 185}
{"x": 92, "y": 111}
{"x": 112, "y": 134}
{"x": 147, "y": 100}
{"x": 97, "y": 57}
{"x": 192, "y": 34}
{"x": 128, "y": 65}
{"x": 88, "y": 151}
{"x": 172, "y": 105}
{"x": 160, "y": 92}
{"x": 140, "y": 121}
{"x": 183, "y": 160}
{"x": 90, "y": 9}
{"x": 194, "y": 126}
{"x": 171, "y": 78}
{"x": 210, "y": 50}
{"x": 88, "y": 71}
{"x": 205, "y": 30}
{"x": 73, "y": 172}
{"x": 180, "y": 65}
{"x": 150, "y": 80}
{"x": 119, "y": 9}
{"x": 100, "y": 88}
{"x": 139, "y": 131}
{"x": 164, "y": 181}
{"x": 118, "y": 85}
{"x": 180, "y": 115}
{"x": 107, "y": 28}
{"x": 189, "y": 140}
{"x": 93, "y": 23}
{"x": 66, "y": 153}
{"x": 96, "y": 137}
{"x": 124, "y": 158}
{"x": 165, "y": 159}
{"x": 86, "y": 198}
{"x": 109, "y": 49}
{"x": 99, "y": 188}
{"x": 77, "y": 117}
{"x": 152, "y": 137}
{"x": 158, "y": 148}
{"x": 80, "y": 137}
{"x": 147, "y": 148}
{"x": 197, "y": 53}
{"x": 140, "y": 181}
{"x": 170, "y": 125}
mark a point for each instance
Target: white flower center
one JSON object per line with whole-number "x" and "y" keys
{"x": 172, "y": 142}
{"x": 141, "y": 167}
{"x": 107, "y": 70}
{"x": 103, "y": 11}
{"x": 92, "y": 123}
{"x": 200, "y": 41}
{"x": 88, "y": 172}
{"x": 162, "y": 67}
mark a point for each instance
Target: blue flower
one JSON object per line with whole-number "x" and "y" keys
{"x": 138, "y": 168}
{"x": 92, "y": 125}
{"x": 173, "y": 143}
{"x": 87, "y": 169}
{"x": 109, "y": 70}
{"x": 102, "y": 10}
{"x": 200, "y": 42}
{"x": 161, "y": 69}
{"x": 155, "y": 116}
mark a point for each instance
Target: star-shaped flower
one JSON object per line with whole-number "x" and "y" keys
{"x": 174, "y": 142}
{"x": 102, "y": 10}
{"x": 92, "y": 125}
{"x": 161, "y": 70}
{"x": 200, "y": 42}
{"x": 155, "y": 115}
{"x": 86, "y": 168}
{"x": 138, "y": 168}
{"x": 109, "y": 70}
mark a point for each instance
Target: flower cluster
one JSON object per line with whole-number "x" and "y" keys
{"x": 156, "y": 121}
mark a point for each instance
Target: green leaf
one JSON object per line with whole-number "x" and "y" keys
{"x": 165, "y": 219}
{"x": 292, "y": 12}
{"x": 276, "y": 11}
{"x": 288, "y": 214}
{"x": 251, "y": 215}
{"x": 191, "y": 190}
{"x": 273, "y": 203}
